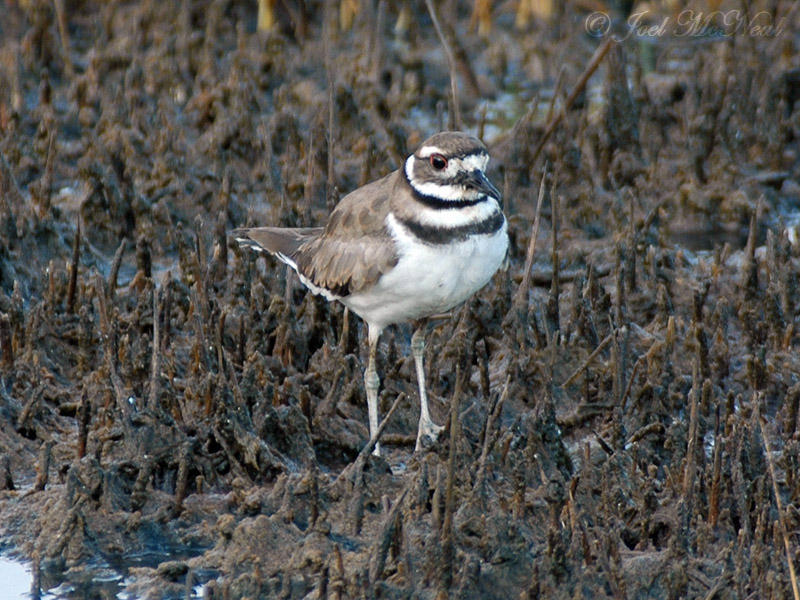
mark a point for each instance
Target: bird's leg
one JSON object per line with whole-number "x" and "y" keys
{"x": 427, "y": 427}
{"x": 371, "y": 383}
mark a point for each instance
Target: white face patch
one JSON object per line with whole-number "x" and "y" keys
{"x": 472, "y": 162}
{"x": 446, "y": 192}
{"x": 454, "y": 166}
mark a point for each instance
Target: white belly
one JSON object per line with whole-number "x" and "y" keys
{"x": 430, "y": 278}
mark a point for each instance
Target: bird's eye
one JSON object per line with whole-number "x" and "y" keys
{"x": 438, "y": 161}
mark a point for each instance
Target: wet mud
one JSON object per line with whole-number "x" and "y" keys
{"x": 622, "y": 419}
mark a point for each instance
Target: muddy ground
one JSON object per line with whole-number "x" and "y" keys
{"x": 180, "y": 411}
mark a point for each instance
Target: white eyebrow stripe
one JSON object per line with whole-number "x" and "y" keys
{"x": 426, "y": 151}
{"x": 478, "y": 160}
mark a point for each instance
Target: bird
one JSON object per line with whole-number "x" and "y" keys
{"x": 413, "y": 244}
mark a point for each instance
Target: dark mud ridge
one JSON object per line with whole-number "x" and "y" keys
{"x": 623, "y": 423}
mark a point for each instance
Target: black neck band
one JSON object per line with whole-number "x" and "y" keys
{"x": 434, "y": 234}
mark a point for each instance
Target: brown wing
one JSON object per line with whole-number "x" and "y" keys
{"x": 355, "y": 248}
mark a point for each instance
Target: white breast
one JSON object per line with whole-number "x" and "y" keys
{"x": 429, "y": 278}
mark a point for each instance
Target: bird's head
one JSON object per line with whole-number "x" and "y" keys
{"x": 451, "y": 167}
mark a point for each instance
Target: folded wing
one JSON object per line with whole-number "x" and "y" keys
{"x": 348, "y": 255}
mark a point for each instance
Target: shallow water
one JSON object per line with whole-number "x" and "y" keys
{"x": 16, "y": 581}
{"x": 16, "y": 577}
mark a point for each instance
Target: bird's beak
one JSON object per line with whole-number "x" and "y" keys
{"x": 479, "y": 182}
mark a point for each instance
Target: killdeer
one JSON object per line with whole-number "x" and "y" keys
{"x": 415, "y": 243}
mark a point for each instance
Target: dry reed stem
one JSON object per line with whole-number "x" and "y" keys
{"x": 73, "y": 269}
{"x": 446, "y": 539}
{"x": 451, "y": 63}
{"x": 330, "y": 76}
{"x": 579, "y": 86}
{"x": 266, "y": 14}
{"x": 522, "y": 291}
{"x": 589, "y": 359}
{"x": 778, "y": 503}
{"x": 490, "y": 438}
{"x": 63, "y": 33}
{"x": 357, "y": 466}
{"x": 155, "y": 363}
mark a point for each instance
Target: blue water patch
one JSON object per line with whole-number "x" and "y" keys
{"x": 17, "y": 581}
{"x": 16, "y": 577}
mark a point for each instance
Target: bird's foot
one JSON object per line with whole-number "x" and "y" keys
{"x": 427, "y": 434}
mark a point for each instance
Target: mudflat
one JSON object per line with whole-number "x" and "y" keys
{"x": 621, "y": 418}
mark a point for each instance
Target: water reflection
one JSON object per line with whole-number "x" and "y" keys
{"x": 16, "y": 578}
{"x": 17, "y": 583}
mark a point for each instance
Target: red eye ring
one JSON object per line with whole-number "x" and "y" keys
{"x": 438, "y": 161}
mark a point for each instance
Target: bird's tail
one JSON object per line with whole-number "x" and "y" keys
{"x": 282, "y": 242}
